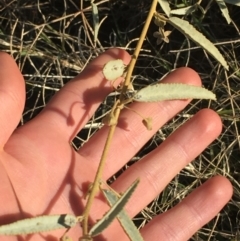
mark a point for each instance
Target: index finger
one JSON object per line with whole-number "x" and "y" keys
{"x": 12, "y": 96}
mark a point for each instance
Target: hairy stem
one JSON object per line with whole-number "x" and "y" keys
{"x": 139, "y": 46}
{"x": 116, "y": 111}
{"x": 95, "y": 186}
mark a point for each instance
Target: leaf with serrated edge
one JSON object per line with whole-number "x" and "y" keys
{"x": 234, "y": 2}
{"x": 165, "y": 6}
{"x": 172, "y": 91}
{"x": 189, "y": 31}
{"x": 113, "y": 69}
{"x": 113, "y": 212}
{"x": 224, "y": 10}
{"x": 125, "y": 221}
{"x": 39, "y": 224}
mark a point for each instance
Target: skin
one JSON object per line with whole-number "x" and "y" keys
{"x": 40, "y": 173}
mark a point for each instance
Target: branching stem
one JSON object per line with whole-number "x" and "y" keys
{"x": 116, "y": 111}
{"x": 139, "y": 45}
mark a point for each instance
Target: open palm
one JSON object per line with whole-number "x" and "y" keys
{"x": 40, "y": 173}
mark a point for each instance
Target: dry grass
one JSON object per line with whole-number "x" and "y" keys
{"x": 52, "y": 41}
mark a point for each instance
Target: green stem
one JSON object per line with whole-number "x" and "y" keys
{"x": 116, "y": 111}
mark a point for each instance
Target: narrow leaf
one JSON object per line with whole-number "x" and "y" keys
{"x": 113, "y": 69}
{"x": 113, "y": 212}
{"x": 234, "y": 2}
{"x": 95, "y": 20}
{"x": 224, "y": 10}
{"x": 159, "y": 92}
{"x": 165, "y": 6}
{"x": 39, "y": 224}
{"x": 125, "y": 221}
{"x": 184, "y": 11}
{"x": 189, "y": 31}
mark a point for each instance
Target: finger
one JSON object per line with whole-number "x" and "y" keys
{"x": 182, "y": 221}
{"x": 131, "y": 134}
{"x": 73, "y": 106}
{"x": 12, "y": 96}
{"x": 158, "y": 168}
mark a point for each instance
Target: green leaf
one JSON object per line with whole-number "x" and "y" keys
{"x": 113, "y": 212}
{"x": 234, "y": 2}
{"x": 165, "y": 6}
{"x": 189, "y": 31}
{"x": 39, "y": 224}
{"x": 95, "y": 20}
{"x": 113, "y": 69}
{"x": 224, "y": 10}
{"x": 159, "y": 92}
{"x": 184, "y": 11}
{"x": 125, "y": 221}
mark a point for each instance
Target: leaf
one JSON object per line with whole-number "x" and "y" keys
{"x": 95, "y": 20}
{"x": 159, "y": 92}
{"x": 224, "y": 10}
{"x": 165, "y": 6}
{"x": 125, "y": 221}
{"x": 184, "y": 11}
{"x": 189, "y": 31}
{"x": 234, "y": 2}
{"x": 39, "y": 224}
{"x": 113, "y": 69}
{"x": 113, "y": 212}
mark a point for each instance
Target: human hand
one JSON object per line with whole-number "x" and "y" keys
{"x": 40, "y": 172}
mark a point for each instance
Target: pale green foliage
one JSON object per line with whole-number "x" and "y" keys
{"x": 189, "y": 9}
{"x": 159, "y": 92}
{"x": 125, "y": 221}
{"x": 189, "y": 31}
{"x": 224, "y": 10}
{"x": 95, "y": 20}
{"x": 184, "y": 11}
{"x": 234, "y": 2}
{"x": 165, "y": 6}
{"x": 113, "y": 212}
{"x": 113, "y": 69}
{"x": 39, "y": 224}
